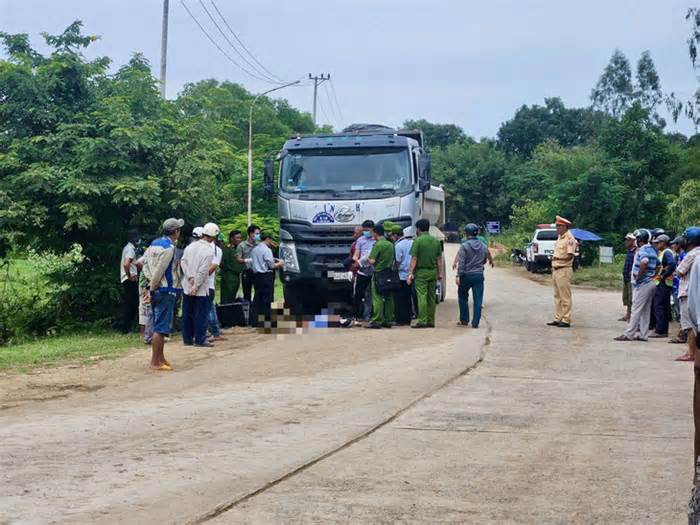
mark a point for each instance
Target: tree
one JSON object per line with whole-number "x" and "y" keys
{"x": 689, "y": 106}
{"x": 684, "y": 209}
{"x": 474, "y": 178}
{"x": 533, "y": 125}
{"x": 648, "y": 88}
{"x": 437, "y": 135}
{"x": 614, "y": 92}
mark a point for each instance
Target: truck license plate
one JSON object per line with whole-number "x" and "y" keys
{"x": 340, "y": 276}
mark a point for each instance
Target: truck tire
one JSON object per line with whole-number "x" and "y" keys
{"x": 294, "y": 299}
{"x": 528, "y": 266}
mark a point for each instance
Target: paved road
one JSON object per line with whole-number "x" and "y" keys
{"x": 552, "y": 426}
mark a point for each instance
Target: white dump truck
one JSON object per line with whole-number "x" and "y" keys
{"x": 327, "y": 186}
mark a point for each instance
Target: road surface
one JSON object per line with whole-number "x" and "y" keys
{"x": 511, "y": 423}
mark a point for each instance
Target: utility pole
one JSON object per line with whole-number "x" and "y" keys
{"x": 250, "y": 146}
{"x": 164, "y": 47}
{"x": 318, "y": 80}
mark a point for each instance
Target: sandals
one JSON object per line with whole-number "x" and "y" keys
{"x": 162, "y": 368}
{"x": 685, "y": 358}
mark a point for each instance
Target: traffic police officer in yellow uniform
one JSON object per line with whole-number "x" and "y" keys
{"x": 562, "y": 268}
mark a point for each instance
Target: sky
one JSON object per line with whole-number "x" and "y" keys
{"x": 466, "y": 62}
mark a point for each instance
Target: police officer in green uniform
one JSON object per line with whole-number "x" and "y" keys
{"x": 425, "y": 271}
{"x": 381, "y": 257}
{"x": 231, "y": 268}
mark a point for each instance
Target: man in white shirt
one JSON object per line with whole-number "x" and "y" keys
{"x": 128, "y": 274}
{"x": 263, "y": 265}
{"x": 214, "y": 326}
{"x": 195, "y": 264}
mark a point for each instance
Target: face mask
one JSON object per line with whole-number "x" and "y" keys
{"x": 366, "y": 233}
{"x": 257, "y": 237}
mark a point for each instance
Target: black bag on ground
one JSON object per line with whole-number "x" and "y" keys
{"x": 387, "y": 281}
{"x": 233, "y": 314}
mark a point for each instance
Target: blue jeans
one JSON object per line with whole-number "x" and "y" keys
{"x": 163, "y": 304}
{"x": 214, "y": 326}
{"x": 475, "y": 283}
{"x": 195, "y": 313}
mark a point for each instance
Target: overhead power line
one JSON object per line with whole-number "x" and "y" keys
{"x": 215, "y": 43}
{"x": 255, "y": 59}
{"x": 337, "y": 114}
{"x": 255, "y": 68}
{"x": 335, "y": 98}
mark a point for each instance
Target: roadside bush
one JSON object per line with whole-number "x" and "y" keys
{"x": 39, "y": 303}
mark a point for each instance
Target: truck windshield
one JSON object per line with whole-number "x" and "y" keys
{"x": 346, "y": 170}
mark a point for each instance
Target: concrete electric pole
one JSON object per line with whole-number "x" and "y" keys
{"x": 164, "y": 47}
{"x": 318, "y": 80}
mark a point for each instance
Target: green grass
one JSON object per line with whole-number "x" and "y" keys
{"x": 608, "y": 276}
{"x": 57, "y": 350}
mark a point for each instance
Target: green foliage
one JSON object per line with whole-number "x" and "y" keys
{"x": 527, "y": 216}
{"x": 438, "y": 135}
{"x": 533, "y": 125}
{"x": 40, "y": 298}
{"x": 474, "y": 177}
{"x": 684, "y": 209}
{"x": 267, "y": 224}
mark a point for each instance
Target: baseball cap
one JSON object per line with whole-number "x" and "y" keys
{"x": 211, "y": 230}
{"x": 677, "y": 240}
{"x": 630, "y": 236}
{"x": 409, "y": 232}
{"x": 170, "y": 225}
{"x": 198, "y": 232}
{"x": 663, "y": 238}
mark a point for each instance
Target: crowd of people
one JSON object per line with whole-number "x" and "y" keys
{"x": 397, "y": 277}
{"x": 656, "y": 291}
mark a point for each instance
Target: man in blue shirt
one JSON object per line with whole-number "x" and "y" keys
{"x": 404, "y": 296}
{"x": 643, "y": 288}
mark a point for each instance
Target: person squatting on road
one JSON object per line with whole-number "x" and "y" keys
{"x": 643, "y": 288}
{"x": 469, "y": 263}
{"x": 562, "y": 268}
{"x": 425, "y": 271}
{"x": 381, "y": 258}
{"x": 664, "y": 285}
{"x": 163, "y": 285}
{"x": 196, "y": 263}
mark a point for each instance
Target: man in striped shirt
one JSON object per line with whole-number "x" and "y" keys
{"x": 643, "y": 287}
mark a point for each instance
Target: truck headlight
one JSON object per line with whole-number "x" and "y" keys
{"x": 288, "y": 253}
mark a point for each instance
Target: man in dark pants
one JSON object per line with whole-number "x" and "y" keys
{"x": 263, "y": 265}
{"x": 243, "y": 255}
{"x": 130, "y": 283}
{"x": 363, "y": 247}
{"x": 664, "y": 286}
{"x": 404, "y": 296}
{"x": 470, "y": 261}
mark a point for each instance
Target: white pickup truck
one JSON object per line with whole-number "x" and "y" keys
{"x": 540, "y": 248}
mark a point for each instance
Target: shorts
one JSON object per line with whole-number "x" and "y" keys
{"x": 163, "y": 304}
{"x": 627, "y": 294}
{"x": 685, "y": 317}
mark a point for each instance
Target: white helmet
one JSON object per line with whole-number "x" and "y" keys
{"x": 211, "y": 230}
{"x": 197, "y": 232}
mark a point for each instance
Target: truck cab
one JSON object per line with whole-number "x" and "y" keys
{"x": 327, "y": 185}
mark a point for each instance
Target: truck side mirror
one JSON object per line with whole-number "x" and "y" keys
{"x": 425, "y": 168}
{"x": 269, "y": 177}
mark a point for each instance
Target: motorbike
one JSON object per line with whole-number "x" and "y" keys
{"x": 518, "y": 256}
